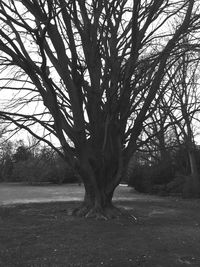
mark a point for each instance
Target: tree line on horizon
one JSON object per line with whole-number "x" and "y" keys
{"x": 33, "y": 164}
{"x": 148, "y": 171}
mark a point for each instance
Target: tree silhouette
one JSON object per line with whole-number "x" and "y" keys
{"x": 84, "y": 69}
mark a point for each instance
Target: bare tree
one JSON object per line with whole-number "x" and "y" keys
{"x": 187, "y": 105}
{"x": 156, "y": 137}
{"x": 85, "y": 68}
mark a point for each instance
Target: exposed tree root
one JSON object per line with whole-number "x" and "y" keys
{"x": 99, "y": 213}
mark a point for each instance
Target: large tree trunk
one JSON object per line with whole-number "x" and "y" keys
{"x": 101, "y": 173}
{"x": 192, "y": 183}
{"x": 96, "y": 204}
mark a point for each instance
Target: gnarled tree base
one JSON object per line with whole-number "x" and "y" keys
{"x": 100, "y": 213}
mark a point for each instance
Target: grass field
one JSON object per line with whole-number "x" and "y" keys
{"x": 166, "y": 233}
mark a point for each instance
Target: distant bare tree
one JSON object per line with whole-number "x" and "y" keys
{"x": 187, "y": 110}
{"x": 81, "y": 70}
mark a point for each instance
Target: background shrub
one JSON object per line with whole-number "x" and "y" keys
{"x": 41, "y": 165}
{"x": 151, "y": 179}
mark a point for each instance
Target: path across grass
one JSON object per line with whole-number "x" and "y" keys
{"x": 166, "y": 233}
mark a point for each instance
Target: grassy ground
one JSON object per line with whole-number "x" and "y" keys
{"x": 166, "y": 233}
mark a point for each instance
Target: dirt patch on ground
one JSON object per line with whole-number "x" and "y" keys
{"x": 164, "y": 233}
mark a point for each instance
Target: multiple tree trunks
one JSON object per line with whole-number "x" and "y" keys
{"x": 97, "y": 201}
{"x": 101, "y": 172}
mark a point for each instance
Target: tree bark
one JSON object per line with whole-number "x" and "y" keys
{"x": 101, "y": 173}
{"x": 192, "y": 183}
{"x": 194, "y": 188}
